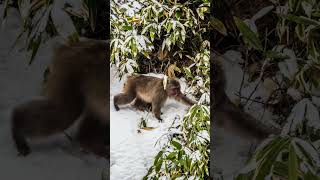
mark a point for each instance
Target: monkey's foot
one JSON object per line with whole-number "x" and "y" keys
{"x": 116, "y": 107}
{"x": 160, "y": 120}
{"x": 24, "y": 150}
{"x": 98, "y": 150}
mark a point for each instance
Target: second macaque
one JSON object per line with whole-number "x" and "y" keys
{"x": 228, "y": 116}
{"x": 75, "y": 91}
{"x": 148, "y": 90}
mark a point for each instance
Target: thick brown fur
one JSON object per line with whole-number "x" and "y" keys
{"x": 76, "y": 85}
{"x": 230, "y": 117}
{"x": 148, "y": 90}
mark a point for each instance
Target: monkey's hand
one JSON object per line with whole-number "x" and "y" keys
{"x": 160, "y": 120}
{"x": 185, "y": 100}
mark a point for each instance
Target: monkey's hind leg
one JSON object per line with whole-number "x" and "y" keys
{"x": 141, "y": 105}
{"x": 21, "y": 143}
{"x": 122, "y": 99}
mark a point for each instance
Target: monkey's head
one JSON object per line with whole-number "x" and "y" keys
{"x": 173, "y": 87}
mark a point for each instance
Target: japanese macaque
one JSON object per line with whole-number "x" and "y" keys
{"x": 230, "y": 117}
{"x": 77, "y": 86}
{"x": 148, "y": 90}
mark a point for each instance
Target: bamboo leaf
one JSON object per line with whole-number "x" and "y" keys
{"x": 35, "y": 46}
{"x": 218, "y": 25}
{"x": 248, "y": 34}
{"x": 176, "y": 145}
{"x": 302, "y": 20}
{"x": 293, "y": 163}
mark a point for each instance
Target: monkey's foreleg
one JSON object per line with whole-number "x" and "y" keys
{"x": 122, "y": 99}
{"x": 92, "y": 136}
{"x": 142, "y": 105}
{"x": 156, "y": 109}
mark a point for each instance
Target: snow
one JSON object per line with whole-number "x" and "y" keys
{"x": 52, "y": 158}
{"x": 132, "y": 153}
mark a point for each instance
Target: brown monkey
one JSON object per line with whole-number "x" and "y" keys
{"x": 230, "y": 117}
{"x": 77, "y": 85}
{"x": 148, "y": 89}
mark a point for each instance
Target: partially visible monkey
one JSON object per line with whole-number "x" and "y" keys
{"x": 77, "y": 85}
{"x": 230, "y": 117}
{"x": 147, "y": 89}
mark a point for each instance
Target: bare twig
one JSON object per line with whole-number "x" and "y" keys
{"x": 259, "y": 79}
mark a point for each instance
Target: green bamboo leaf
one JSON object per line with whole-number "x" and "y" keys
{"x": 302, "y": 20}
{"x": 178, "y": 14}
{"x": 218, "y": 25}
{"x": 176, "y": 145}
{"x": 300, "y": 31}
{"x": 157, "y": 157}
{"x": 293, "y": 163}
{"x": 294, "y": 4}
{"x": 5, "y": 9}
{"x": 158, "y": 165}
{"x": 248, "y": 34}
{"x": 312, "y": 50}
{"x": 315, "y": 14}
{"x": 127, "y": 28}
{"x": 92, "y": 6}
{"x": 268, "y": 159}
{"x": 35, "y": 44}
{"x": 276, "y": 55}
{"x": 172, "y": 155}
{"x": 259, "y": 155}
{"x": 152, "y": 34}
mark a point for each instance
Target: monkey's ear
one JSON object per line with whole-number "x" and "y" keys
{"x": 165, "y": 82}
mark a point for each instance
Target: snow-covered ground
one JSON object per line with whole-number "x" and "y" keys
{"x": 132, "y": 153}
{"x": 51, "y": 159}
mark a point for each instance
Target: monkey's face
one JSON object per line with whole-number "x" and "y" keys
{"x": 173, "y": 88}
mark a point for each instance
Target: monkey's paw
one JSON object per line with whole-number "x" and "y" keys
{"x": 24, "y": 151}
